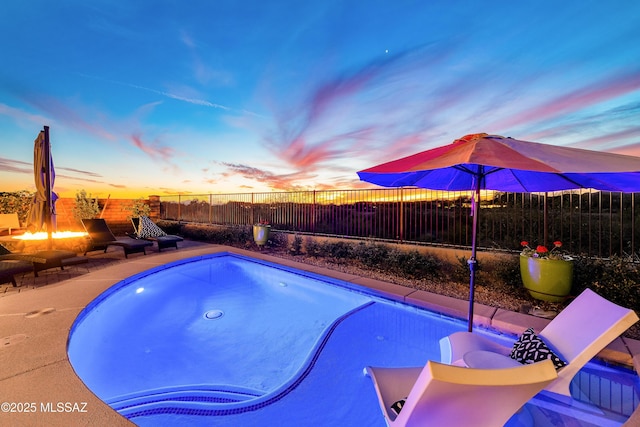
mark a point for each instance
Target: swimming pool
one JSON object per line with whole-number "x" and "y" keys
{"x": 228, "y": 340}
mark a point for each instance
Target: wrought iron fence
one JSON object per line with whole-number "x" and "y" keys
{"x": 591, "y": 223}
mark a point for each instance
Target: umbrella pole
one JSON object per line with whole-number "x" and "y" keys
{"x": 47, "y": 183}
{"x": 545, "y": 217}
{"x": 473, "y": 263}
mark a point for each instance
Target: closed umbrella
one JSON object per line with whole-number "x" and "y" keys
{"x": 42, "y": 213}
{"x": 492, "y": 162}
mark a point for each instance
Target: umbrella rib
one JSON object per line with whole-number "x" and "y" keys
{"x": 484, "y": 172}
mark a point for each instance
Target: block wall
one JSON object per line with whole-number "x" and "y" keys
{"x": 114, "y": 211}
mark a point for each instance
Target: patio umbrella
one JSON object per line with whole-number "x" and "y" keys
{"x": 42, "y": 213}
{"x": 492, "y": 162}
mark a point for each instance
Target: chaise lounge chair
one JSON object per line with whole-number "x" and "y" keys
{"x": 146, "y": 229}
{"x": 10, "y": 223}
{"x": 9, "y": 268}
{"x": 16, "y": 263}
{"x": 441, "y": 395}
{"x": 576, "y": 335}
{"x": 101, "y": 238}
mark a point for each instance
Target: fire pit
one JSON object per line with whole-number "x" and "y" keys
{"x": 74, "y": 241}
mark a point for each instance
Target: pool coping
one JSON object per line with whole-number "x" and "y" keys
{"x": 39, "y": 384}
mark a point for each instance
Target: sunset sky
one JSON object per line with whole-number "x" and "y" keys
{"x": 224, "y": 96}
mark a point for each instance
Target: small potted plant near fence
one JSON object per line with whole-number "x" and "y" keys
{"x": 261, "y": 232}
{"x": 546, "y": 274}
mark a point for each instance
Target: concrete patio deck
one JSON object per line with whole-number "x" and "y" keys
{"x": 39, "y": 387}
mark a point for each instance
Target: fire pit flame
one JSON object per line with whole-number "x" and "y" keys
{"x": 42, "y": 235}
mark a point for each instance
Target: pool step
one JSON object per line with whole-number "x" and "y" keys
{"x": 183, "y": 399}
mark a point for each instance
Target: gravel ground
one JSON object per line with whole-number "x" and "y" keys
{"x": 500, "y": 296}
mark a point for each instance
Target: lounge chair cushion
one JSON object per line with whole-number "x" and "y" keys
{"x": 530, "y": 348}
{"x": 148, "y": 229}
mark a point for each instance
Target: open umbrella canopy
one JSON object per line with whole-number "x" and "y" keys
{"x": 491, "y": 162}
{"x": 494, "y": 162}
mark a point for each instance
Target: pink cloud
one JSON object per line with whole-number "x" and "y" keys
{"x": 16, "y": 166}
{"x": 66, "y": 114}
{"x": 573, "y": 101}
{"x": 18, "y": 114}
{"x": 302, "y": 155}
{"x": 615, "y": 138}
{"x": 284, "y": 182}
{"x": 348, "y": 114}
{"x": 153, "y": 149}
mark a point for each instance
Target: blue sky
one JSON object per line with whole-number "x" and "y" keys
{"x": 192, "y": 97}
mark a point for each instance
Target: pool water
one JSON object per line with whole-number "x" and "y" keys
{"x": 224, "y": 340}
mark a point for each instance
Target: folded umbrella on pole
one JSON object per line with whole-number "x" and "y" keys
{"x": 42, "y": 213}
{"x": 492, "y": 162}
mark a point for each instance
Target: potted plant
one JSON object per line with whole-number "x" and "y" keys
{"x": 261, "y": 232}
{"x": 86, "y": 207}
{"x": 138, "y": 208}
{"x": 546, "y": 274}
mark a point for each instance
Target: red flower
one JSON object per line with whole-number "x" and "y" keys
{"x": 542, "y": 251}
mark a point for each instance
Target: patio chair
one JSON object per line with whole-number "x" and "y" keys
{"x": 576, "y": 335}
{"x": 146, "y": 229}
{"x": 10, "y": 223}
{"x": 451, "y": 396}
{"x": 39, "y": 261}
{"x": 101, "y": 238}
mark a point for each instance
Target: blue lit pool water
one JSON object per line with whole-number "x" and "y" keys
{"x": 224, "y": 340}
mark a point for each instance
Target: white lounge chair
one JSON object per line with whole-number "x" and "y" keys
{"x": 452, "y": 396}
{"x": 10, "y": 222}
{"x": 576, "y": 335}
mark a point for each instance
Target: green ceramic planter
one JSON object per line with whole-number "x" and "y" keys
{"x": 547, "y": 279}
{"x": 261, "y": 234}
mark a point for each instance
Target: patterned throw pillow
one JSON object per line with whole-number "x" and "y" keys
{"x": 147, "y": 228}
{"x": 530, "y": 349}
{"x": 397, "y": 406}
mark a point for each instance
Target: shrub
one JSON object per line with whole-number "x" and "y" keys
{"x": 312, "y": 247}
{"x": 505, "y": 270}
{"x": 138, "y": 208}
{"x": 414, "y": 264}
{"x": 502, "y": 273}
{"x": 171, "y": 227}
{"x": 277, "y": 240}
{"x": 17, "y": 202}
{"x": 585, "y": 269}
{"x": 295, "y": 248}
{"x": 616, "y": 279}
{"x": 86, "y": 207}
{"x": 460, "y": 271}
{"x": 221, "y": 235}
{"x": 338, "y": 250}
{"x": 372, "y": 255}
